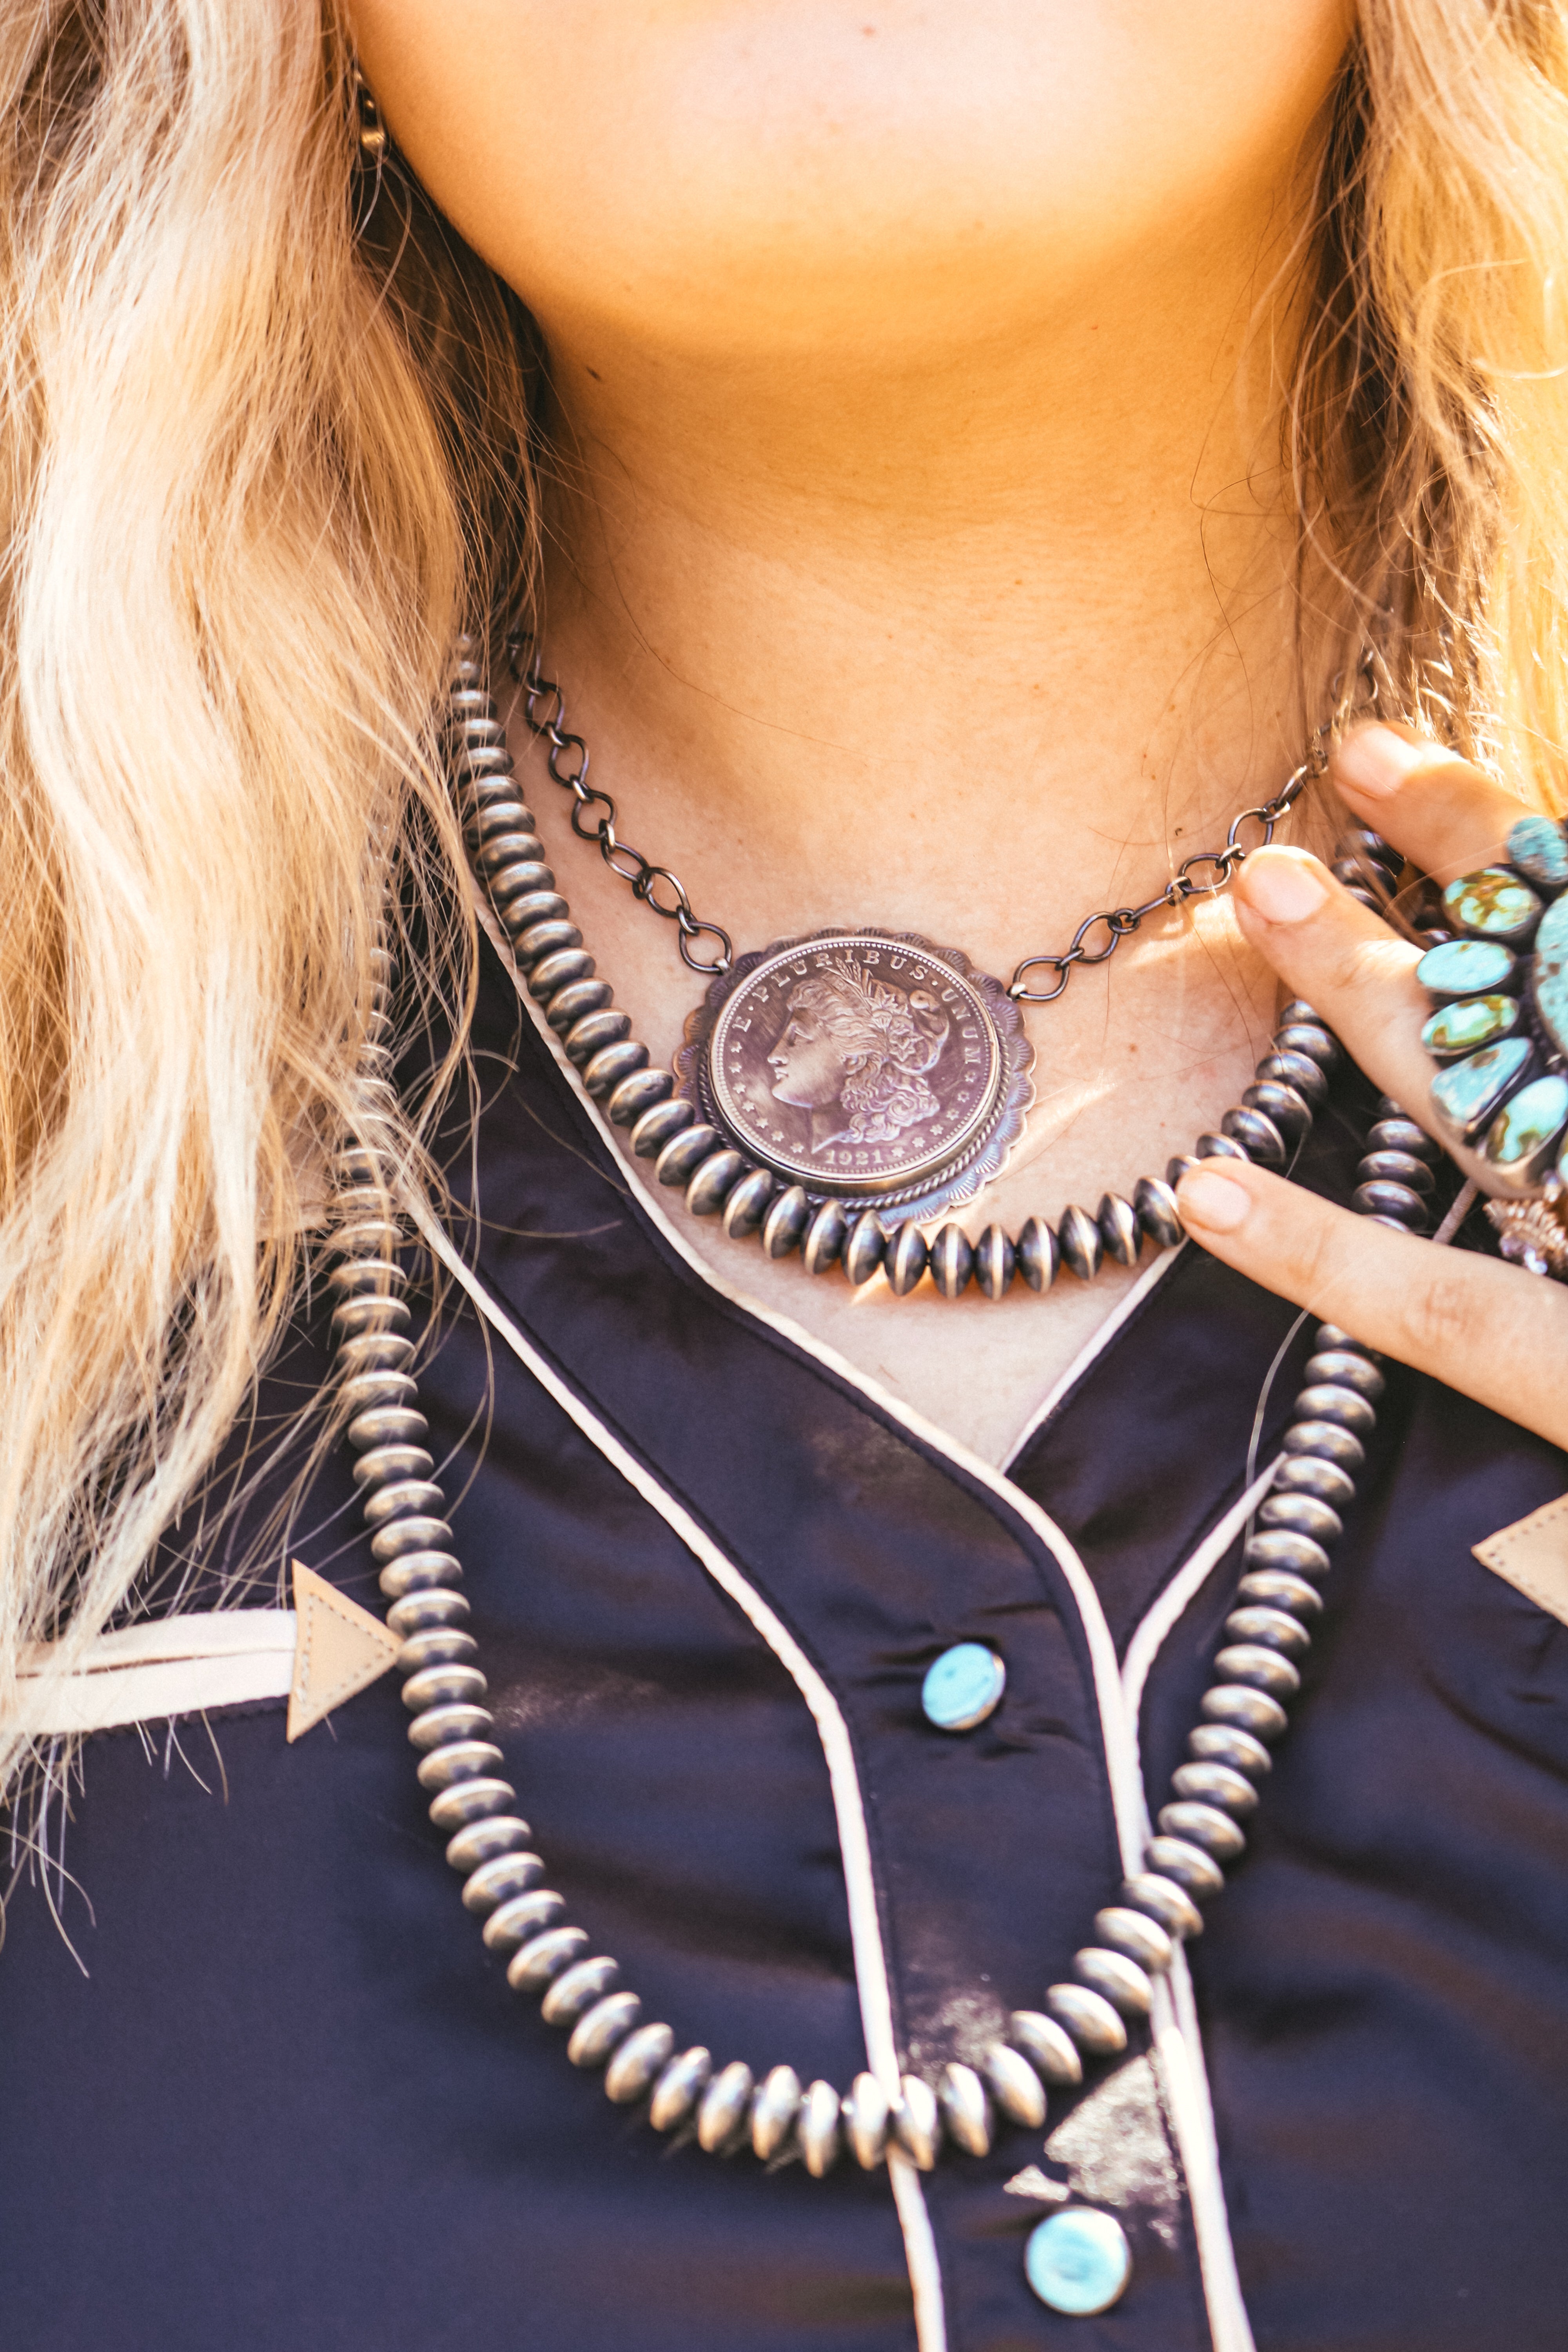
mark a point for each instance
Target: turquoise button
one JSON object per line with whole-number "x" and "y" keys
{"x": 1467, "y": 968}
{"x": 963, "y": 1687}
{"x": 1467, "y": 1096}
{"x": 1537, "y": 846}
{"x": 1524, "y": 1136}
{"x": 1079, "y": 2261}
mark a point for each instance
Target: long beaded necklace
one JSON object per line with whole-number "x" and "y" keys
{"x": 1085, "y": 2019}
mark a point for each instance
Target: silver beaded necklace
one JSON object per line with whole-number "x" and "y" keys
{"x": 838, "y": 1092}
{"x": 1083, "y": 2021}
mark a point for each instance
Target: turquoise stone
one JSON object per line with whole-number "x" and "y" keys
{"x": 1492, "y": 905}
{"x": 1537, "y": 846}
{"x": 1525, "y": 1134}
{"x": 1078, "y": 2260}
{"x": 1476, "y": 1020}
{"x": 963, "y": 1687}
{"x": 1468, "y": 1096}
{"x": 1467, "y": 968}
{"x": 1549, "y": 982}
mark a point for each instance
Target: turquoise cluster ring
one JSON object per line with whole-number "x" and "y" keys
{"x": 1498, "y": 1030}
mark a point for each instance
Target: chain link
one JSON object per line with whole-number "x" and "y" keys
{"x": 545, "y": 708}
{"x": 1121, "y": 922}
{"x": 545, "y": 712}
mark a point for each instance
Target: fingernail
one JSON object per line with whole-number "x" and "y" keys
{"x": 1285, "y": 885}
{"x": 1213, "y": 1202}
{"x": 1374, "y": 761}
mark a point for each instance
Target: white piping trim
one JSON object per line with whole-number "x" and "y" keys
{"x": 1155, "y": 1629}
{"x": 853, "y": 1840}
{"x": 1178, "y": 2037}
{"x": 169, "y": 1666}
{"x": 1099, "y": 1339}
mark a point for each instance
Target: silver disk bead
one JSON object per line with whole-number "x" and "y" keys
{"x": 407, "y": 1498}
{"x": 1288, "y": 1108}
{"x": 1304, "y": 1514}
{"x": 1328, "y": 1441}
{"x": 577, "y": 1989}
{"x": 1309, "y": 1038}
{"x": 1264, "y": 1670}
{"x": 819, "y": 2129}
{"x": 501, "y": 1881}
{"x": 1275, "y": 1628}
{"x": 824, "y": 1237}
{"x": 436, "y": 1645}
{"x": 1341, "y": 1368}
{"x": 1277, "y": 1588}
{"x": 679, "y": 2088}
{"x": 1078, "y": 1239}
{"x": 1181, "y": 1165}
{"x": 965, "y": 2108}
{"x": 1300, "y": 1073}
{"x": 1252, "y": 1710}
{"x": 952, "y": 1261}
{"x": 1170, "y": 1906}
{"x": 1136, "y": 1936}
{"x": 748, "y": 1204}
{"x": 1119, "y": 1229}
{"x": 465, "y": 1759}
{"x": 1121, "y": 1981}
{"x": 1385, "y": 1200}
{"x": 470, "y": 1801}
{"x": 1203, "y": 1826}
{"x": 1401, "y": 1134}
{"x": 714, "y": 1181}
{"x": 563, "y": 962}
{"x": 536, "y": 1963}
{"x": 866, "y": 2110}
{"x": 387, "y": 1425}
{"x": 418, "y": 1570}
{"x": 1157, "y": 1211}
{"x": 1286, "y": 1548}
{"x": 786, "y": 1220}
{"x": 683, "y": 1155}
{"x": 1037, "y": 1253}
{"x": 575, "y": 1001}
{"x": 773, "y": 2111}
{"x": 639, "y": 1091}
{"x": 444, "y": 1686}
{"x": 434, "y": 1726}
{"x": 524, "y": 1916}
{"x": 1258, "y": 1136}
{"x": 1219, "y": 1147}
{"x": 611, "y": 1065}
{"x": 642, "y": 2056}
{"x": 1207, "y": 1782}
{"x": 1096, "y": 2027}
{"x": 482, "y": 1840}
{"x": 994, "y": 1262}
{"x": 863, "y": 1247}
{"x": 1195, "y": 1873}
{"x": 603, "y": 2027}
{"x": 530, "y": 910}
{"x": 605, "y": 1027}
{"x": 723, "y": 2106}
{"x": 1049, "y": 2047}
{"x": 417, "y": 1610}
{"x": 1227, "y": 1743}
{"x": 1015, "y": 2086}
{"x": 659, "y": 1126}
{"x": 1396, "y": 1168}
{"x": 917, "y": 2123}
{"x": 378, "y": 1353}
{"x": 907, "y": 1259}
{"x": 356, "y": 1316}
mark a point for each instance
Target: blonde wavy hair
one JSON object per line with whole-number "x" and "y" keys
{"x": 257, "y": 457}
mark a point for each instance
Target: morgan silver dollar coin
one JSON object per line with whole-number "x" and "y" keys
{"x": 866, "y": 1065}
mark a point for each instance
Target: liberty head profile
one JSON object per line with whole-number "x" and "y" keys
{"x": 855, "y": 1051}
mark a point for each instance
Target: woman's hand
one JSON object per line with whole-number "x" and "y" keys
{"x": 1488, "y": 1328}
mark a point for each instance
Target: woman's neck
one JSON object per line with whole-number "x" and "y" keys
{"x": 960, "y": 639}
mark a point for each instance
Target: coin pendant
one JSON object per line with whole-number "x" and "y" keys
{"x": 866, "y": 1065}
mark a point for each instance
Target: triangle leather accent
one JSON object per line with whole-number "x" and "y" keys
{"x": 339, "y": 1649}
{"x": 1532, "y": 1555}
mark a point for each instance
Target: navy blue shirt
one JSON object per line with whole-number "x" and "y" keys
{"x": 273, "y": 2092}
